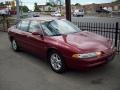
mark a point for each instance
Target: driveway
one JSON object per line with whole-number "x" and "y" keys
{"x": 22, "y": 71}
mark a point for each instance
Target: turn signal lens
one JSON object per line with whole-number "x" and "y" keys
{"x": 98, "y": 53}
{"x": 76, "y": 56}
{"x": 87, "y": 55}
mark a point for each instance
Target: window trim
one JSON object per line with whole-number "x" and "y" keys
{"x": 43, "y": 33}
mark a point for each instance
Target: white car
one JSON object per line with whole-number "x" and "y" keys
{"x": 3, "y": 12}
{"x": 78, "y": 13}
{"x": 56, "y": 14}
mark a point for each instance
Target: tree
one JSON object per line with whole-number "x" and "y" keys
{"x": 116, "y": 1}
{"x": 36, "y": 8}
{"x": 1, "y": 4}
{"x": 77, "y": 4}
{"x": 49, "y": 4}
{"x": 24, "y": 8}
{"x": 52, "y": 4}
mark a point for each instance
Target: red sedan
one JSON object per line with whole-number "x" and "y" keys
{"x": 60, "y": 42}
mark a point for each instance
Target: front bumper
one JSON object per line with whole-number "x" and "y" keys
{"x": 92, "y": 62}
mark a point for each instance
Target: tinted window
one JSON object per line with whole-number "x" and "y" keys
{"x": 24, "y": 26}
{"x": 34, "y": 26}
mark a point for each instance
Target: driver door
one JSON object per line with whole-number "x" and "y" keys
{"x": 36, "y": 42}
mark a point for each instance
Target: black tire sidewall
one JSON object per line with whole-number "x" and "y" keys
{"x": 62, "y": 70}
{"x": 17, "y": 47}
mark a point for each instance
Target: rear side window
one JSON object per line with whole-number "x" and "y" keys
{"x": 23, "y": 25}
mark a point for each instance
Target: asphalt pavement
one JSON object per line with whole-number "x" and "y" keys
{"x": 23, "y": 71}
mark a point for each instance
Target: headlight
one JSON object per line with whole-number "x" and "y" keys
{"x": 87, "y": 55}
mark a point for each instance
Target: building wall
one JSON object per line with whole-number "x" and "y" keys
{"x": 94, "y": 7}
{"x": 89, "y": 9}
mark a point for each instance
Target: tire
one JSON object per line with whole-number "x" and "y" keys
{"x": 14, "y": 45}
{"x": 56, "y": 62}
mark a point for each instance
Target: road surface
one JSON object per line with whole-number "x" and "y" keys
{"x": 22, "y": 71}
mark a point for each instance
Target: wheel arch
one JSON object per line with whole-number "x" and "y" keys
{"x": 11, "y": 38}
{"x": 53, "y": 49}
{"x": 63, "y": 59}
{"x": 50, "y": 50}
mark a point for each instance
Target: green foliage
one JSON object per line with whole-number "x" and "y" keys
{"x": 36, "y": 8}
{"x": 116, "y": 1}
{"x": 1, "y": 4}
{"x": 24, "y": 8}
{"x": 51, "y": 4}
{"x": 77, "y": 4}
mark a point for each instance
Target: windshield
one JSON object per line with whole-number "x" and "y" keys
{"x": 59, "y": 27}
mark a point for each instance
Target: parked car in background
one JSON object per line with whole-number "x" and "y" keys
{"x": 102, "y": 11}
{"x": 56, "y": 14}
{"x": 78, "y": 13}
{"x": 36, "y": 14}
{"x": 61, "y": 43}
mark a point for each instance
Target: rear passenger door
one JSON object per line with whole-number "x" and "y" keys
{"x": 22, "y": 34}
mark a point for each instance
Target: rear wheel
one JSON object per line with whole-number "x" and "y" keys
{"x": 14, "y": 45}
{"x": 56, "y": 62}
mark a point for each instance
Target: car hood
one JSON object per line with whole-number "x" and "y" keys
{"x": 85, "y": 41}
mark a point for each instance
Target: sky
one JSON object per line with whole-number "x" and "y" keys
{"x": 30, "y": 3}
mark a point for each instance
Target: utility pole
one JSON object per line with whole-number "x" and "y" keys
{"x": 68, "y": 9}
{"x": 60, "y": 7}
{"x": 21, "y": 8}
{"x": 17, "y": 9}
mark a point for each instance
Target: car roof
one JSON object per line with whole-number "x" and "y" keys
{"x": 43, "y": 19}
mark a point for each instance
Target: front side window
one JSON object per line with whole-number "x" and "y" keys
{"x": 34, "y": 26}
{"x": 24, "y": 26}
{"x": 59, "y": 27}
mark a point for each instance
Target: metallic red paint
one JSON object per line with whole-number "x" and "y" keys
{"x": 67, "y": 45}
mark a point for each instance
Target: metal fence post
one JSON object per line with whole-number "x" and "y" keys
{"x": 116, "y": 34}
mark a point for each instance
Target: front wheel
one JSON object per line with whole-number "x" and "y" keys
{"x": 14, "y": 45}
{"x": 56, "y": 62}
